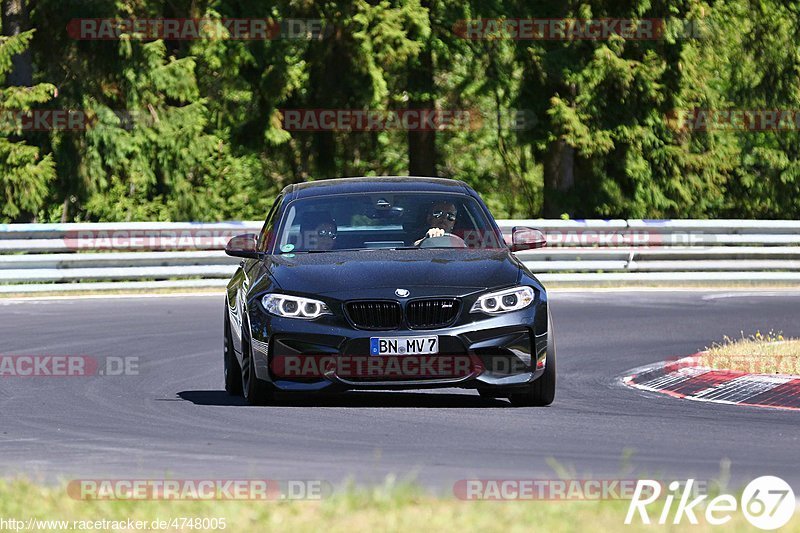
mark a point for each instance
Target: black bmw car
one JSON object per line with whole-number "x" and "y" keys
{"x": 386, "y": 283}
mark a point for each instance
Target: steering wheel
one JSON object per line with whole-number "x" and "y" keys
{"x": 448, "y": 240}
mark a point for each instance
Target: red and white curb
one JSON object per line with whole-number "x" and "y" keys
{"x": 688, "y": 378}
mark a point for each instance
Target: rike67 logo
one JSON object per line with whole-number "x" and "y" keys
{"x": 767, "y": 502}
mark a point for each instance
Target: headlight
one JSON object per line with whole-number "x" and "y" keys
{"x": 504, "y": 301}
{"x": 294, "y": 306}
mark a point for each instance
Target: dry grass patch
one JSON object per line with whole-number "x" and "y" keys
{"x": 768, "y": 353}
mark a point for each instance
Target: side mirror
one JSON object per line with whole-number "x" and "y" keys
{"x": 527, "y": 239}
{"x": 243, "y": 246}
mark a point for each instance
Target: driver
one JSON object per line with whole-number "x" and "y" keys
{"x": 318, "y": 232}
{"x": 441, "y": 219}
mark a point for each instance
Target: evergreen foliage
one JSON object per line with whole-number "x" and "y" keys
{"x": 193, "y": 129}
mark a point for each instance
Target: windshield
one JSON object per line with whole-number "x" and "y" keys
{"x": 385, "y": 220}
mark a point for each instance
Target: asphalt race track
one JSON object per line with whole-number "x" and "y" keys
{"x": 174, "y": 420}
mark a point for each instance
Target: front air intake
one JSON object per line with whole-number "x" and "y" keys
{"x": 377, "y": 314}
{"x": 431, "y": 313}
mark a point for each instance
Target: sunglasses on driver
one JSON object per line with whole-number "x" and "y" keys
{"x": 439, "y": 214}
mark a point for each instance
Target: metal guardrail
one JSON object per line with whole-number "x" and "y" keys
{"x": 99, "y": 256}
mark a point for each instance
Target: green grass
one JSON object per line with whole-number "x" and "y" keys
{"x": 386, "y": 508}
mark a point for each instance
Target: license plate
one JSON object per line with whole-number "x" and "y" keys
{"x": 403, "y": 345}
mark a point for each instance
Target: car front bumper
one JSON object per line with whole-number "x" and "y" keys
{"x": 492, "y": 353}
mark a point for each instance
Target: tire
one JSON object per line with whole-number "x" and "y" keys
{"x": 542, "y": 391}
{"x": 232, "y": 372}
{"x": 256, "y": 391}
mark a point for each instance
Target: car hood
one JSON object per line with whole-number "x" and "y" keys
{"x": 350, "y": 274}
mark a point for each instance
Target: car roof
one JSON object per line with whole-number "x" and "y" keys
{"x": 376, "y": 184}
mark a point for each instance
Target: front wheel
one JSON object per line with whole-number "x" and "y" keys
{"x": 542, "y": 391}
{"x": 232, "y": 370}
{"x": 256, "y": 391}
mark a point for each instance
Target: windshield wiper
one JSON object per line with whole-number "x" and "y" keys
{"x": 307, "y": 252}
{"x": 326, "y": 251}
{"x": 356, "y": 250}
